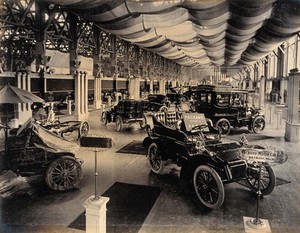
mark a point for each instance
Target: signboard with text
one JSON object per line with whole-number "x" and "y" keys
{"x": 191, "y": 120}
{"x": 262, "y": 156}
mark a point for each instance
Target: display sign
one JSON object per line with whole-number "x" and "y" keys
{"x": 191, "y": 120}
{"x": 262, "y": 156}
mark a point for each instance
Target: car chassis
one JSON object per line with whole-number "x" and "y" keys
{"x": 205, "y": 161}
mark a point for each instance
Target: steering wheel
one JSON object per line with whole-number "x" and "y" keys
{"x": 198, "y": 128}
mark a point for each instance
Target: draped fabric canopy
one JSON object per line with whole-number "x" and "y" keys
{"x": 196, "y": 32}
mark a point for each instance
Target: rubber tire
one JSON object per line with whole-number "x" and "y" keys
{"x": 155, "y": 160}
{"x": 255, "y": 121}
{"x": 143, "y": 123}
{"x": 221, "y": 122}
{"x": 84, "y": 129}
{"x": 61, "y": 167}
{"x": 209, "y": 177}
{"x": 119, "y": 123}
{"x": 104, "y": 118}
{"x": 266, "y": 173}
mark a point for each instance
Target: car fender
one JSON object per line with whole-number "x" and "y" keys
{"x": 147, "y": 142}
{"x": 188, "y": 168}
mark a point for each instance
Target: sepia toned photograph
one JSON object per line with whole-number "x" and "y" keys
{"x": 149, "y": 116}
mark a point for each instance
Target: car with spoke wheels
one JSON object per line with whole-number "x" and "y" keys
{"x": 227, "y": 107}
{"x": 206, "y": 162}
{"x": 34, "y": 150}
{"x": 126, "y": 112}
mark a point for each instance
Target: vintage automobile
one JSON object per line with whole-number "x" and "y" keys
{"x": 224, "y": 107}
{"x": 62, "y": 128}
{"x": 205, "y": 161}
{"x": 67, "y": 127}
{"x": 126, "y": 112}
{"x": 158, "y": 102}
{"x": 33, "y": 150}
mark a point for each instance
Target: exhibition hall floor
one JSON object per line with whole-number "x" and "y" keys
{"x": 142, "y": 202}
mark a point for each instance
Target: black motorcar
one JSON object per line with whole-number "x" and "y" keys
{"x": 225, "y": 106}
{"x": 158, "y": 102}
{"x": 33, "y": 150}
{"x": 204, "y": 159}
{"x": 126, "y": 112}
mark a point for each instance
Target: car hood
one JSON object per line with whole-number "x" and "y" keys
{"x": 226, "y": 151}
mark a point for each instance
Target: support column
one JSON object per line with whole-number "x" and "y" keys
{"x": 292, "y": 127}
{"x": 137, "y": 88}
{"x": 97, "y": 69}
{"x": 81, "y": 96}
{"x": 151, "y": 86}
{"x": 262, "y": 92}
{"x": 24, "y": 110}
{"x": 244, "y": 84}
{"x": 97, "y": 93}
{"x": 281, "y": 93}
{"x": 250, "y": 84}
{"x": 131, "y": 87}
{"x": 162, "y": 86}
{"x": 134, "y": 88}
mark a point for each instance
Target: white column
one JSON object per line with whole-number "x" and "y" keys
{"x": 282, "y": 87}
{"x": 151, "y": 86}
{"x": 137, "y": 88}
{"x": 292, "y": 127}
{"x": 95, "y": 212}
{"x": 97, "y": 93}
{"x": 244, "y": 84}
{"x": 250, "y": 84}
{"x": 162, "y": 86}
{"x": 24, "y": 110}
{"x": 131, "y": 88}
{"x": 262, "y": 92}
{"x": 268, "y": 88}
{"x": 81, "y": 96}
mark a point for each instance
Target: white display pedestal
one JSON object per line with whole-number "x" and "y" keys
{"x": 262, "y": 227}
{"x": 95, "y": 214}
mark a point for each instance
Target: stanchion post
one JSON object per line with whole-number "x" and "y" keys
{"x": 96, "y": 205}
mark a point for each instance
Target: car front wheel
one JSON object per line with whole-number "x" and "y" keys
{"x": 119, "y": 123}
{"x": 208, "y": 187}
{"x": 104, "y": 118}
{"x": 267, "y": 179}
{"x": 156, "y": 163}
{"x": 63, "y": 174}
{"x": 258, "y": 124}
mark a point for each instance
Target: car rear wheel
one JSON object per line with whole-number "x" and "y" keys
{"x": 224, "y": 125}
{"x": 156, "y": 163}
{"x": 63, "y": 174}
{"x": 119, "y": 123}
{"x": 267, "y": 179}
{"x": 258, "y": 124}
{"x": 208, "y": 187}
{"x": 104, "y": 118}
{"x": 84, "y": 129}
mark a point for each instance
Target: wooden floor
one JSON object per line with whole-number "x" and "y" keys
{"x": 28, "y": 206}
